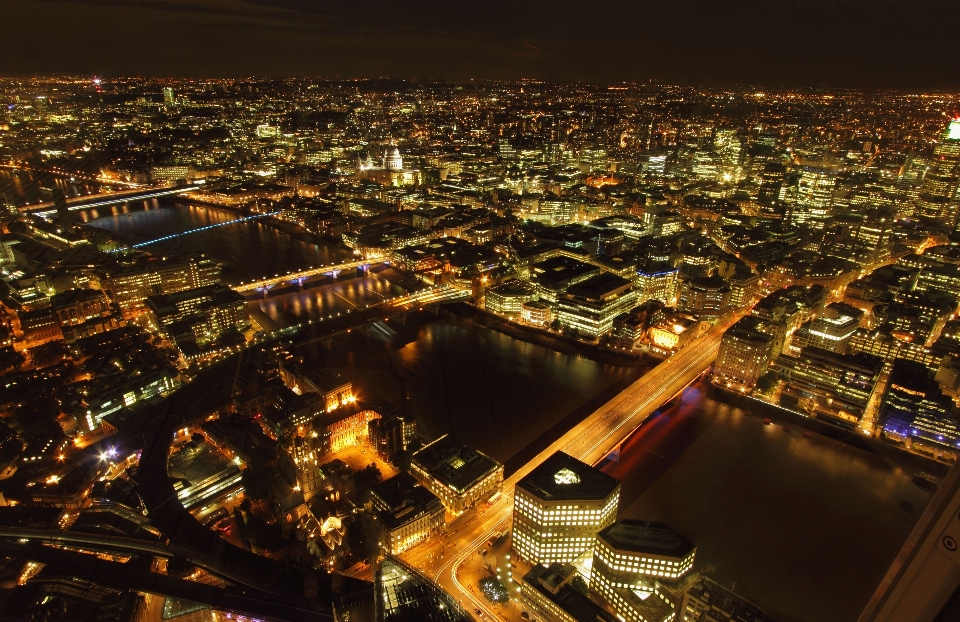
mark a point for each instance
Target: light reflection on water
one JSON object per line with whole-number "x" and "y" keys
{"x": 251, "y": 250}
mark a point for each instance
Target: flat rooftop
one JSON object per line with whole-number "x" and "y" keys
{"x": 564, "y": 478}
{"x": 599, "y": 287}
{"x": 640, "y": 536}
{"x": 453, "y": 463}
{"x": 559, "y": 271}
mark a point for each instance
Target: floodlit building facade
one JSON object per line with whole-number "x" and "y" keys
{"x": 406, "y": 512}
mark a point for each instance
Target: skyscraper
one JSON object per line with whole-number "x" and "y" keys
{"x": 814, "y": 197}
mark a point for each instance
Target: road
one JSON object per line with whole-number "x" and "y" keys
{"x": 591, "y": 440}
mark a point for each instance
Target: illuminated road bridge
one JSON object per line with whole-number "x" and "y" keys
{"x": 299, "y": 276}
{"x": 104, "y": 200}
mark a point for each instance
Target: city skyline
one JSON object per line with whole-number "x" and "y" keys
{"x": 388, "y": 350}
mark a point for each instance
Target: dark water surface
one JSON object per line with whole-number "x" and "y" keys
{"x": 251, "y": 250}
{"x": 804, "y": 527}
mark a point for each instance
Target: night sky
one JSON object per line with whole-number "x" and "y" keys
{"x": 906, "y": 44}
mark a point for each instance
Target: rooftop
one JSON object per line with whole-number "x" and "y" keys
{"x": 404, "y": 595}
{"x": 453, "y": 463}
{"x": 599, "y": 287}
{"x": 564, "y": 478}
{"x": 553, "y": 584}
{"x": 640, "y": 536}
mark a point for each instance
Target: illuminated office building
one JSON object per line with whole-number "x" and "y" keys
{"x": 938, "y": 192}
{"x": 832, "y": 330}
{"x": 744, "y": 287}
{"x": 771, "y": 180}
{"x": 459, "y": 475}
{"x": 637, "y": 568}
{"x": 814, "y": 197}
{"x": 833, "y": 386}
{"x": 130, "y": 286}
{"x": 914, "y": 407}
{"x": 559, "y": 507}
{"x": 727, "y": 146}
{"x": 657, "y": 282}
{"x": 707, "y": 297}
{"x": 746, "y": 350}
{"x": 556, "y": 274}
{"x": 536, "y": 313}
{"x": 590, "y": 306}
{"x": 205, "y": 312}
{"x": 508, "y": 297}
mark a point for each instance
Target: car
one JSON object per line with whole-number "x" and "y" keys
{"x": 478, "y": 612}
{"x": 524, "y": 615}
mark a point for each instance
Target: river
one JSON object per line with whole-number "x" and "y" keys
{"x": 250, "y": 250}
{"x": 23, "y": 187}
{"x": 804, "y": 527}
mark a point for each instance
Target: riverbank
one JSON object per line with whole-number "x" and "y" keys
{"x": 543, "y": 338}
{"x": 782, "y": 416}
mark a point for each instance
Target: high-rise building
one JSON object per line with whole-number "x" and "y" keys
{"x": 559, "y": 507}
{"x": 939, "y": 191}
{"x": 771, "y": 180}
{"x": 169, "y": 98}
{"x": 633, "y": 561}
{"x": 814, "y": 201}
{"x": 727, "y": 146}
{"x": 746, "y": 350}
{"x": 914, "y": 407}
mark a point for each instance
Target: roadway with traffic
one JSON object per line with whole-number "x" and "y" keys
{"x": 590, "y": 441}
